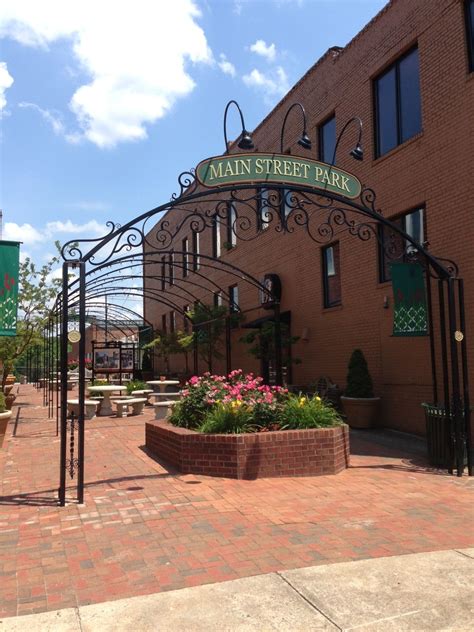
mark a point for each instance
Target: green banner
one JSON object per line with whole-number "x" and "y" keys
{"x": 278, "y": 169}
{"x": 9, "y": 268}
{"x": 410, "y": 310}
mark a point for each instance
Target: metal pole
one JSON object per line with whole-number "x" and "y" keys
{"x": 56, "y": 353}
{"x": 211, "y": 349}
{"x": 106, "y": 317}
{"x": 432, "y": 342}
{"x": 228, "y": 345}
{"x": 64, "y": 331}
{"x": 120, "y": 361}
{"x": 195, "y": 350}
{"x": 444, "y": 363}
{"x": 456, "y": 409}
{"x": 50, "y": 369}
{"x": 278, "y": 361}
{"x": 45, "y": 347}
{"x": 82, "y": 379}
{"x": 465, "y": 374}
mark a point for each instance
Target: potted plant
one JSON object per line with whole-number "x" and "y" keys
{"x": 4, "y": 417}
{"x": 358, "y": 403}
{"x": 9, "y": 399}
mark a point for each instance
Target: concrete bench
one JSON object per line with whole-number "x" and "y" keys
{"x": 98, "y": 399}
{"x": 135, "y": 403}
{"x": 144, "y": 393}
{"x": 163, "y": 409}
{"x": 90, "y": 407}
{"x": 166, "y": 396}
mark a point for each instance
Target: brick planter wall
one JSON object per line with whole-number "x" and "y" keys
{"x": 267, "y": 454}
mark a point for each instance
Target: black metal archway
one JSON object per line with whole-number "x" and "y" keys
{"x": 245, "y": 208}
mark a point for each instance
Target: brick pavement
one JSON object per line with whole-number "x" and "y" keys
{"x": 145, "y": 528}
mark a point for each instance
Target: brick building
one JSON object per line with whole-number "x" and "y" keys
{"x": 409, "y": 76}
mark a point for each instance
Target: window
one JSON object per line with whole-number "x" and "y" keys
{"x": 216, "y": 237}
{"x": 231, "y": 218}
{"x": 185, "y": 249}
{"x": 195, "y": 251}
{"x": 469, "y": 12}
{"x": 327, "y": 140}
{"x": 163, "y": 323}
{"x": 217, "y": 299}
{"x": 392, "y": 247}
{"x": 331, "y": 276}
{"x": 233, "y": 298}
{"x": 264, "y": 216}
{"x": 171, "y": 268}
{"x": 172, "y": 321}
{"x": 163, "y": 273}
{"x": 397, "y": 103}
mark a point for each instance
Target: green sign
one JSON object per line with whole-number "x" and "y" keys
{"x": 9, "y": 267}
{"x": 278, "y": 169}
{"x": 410, "y": 312}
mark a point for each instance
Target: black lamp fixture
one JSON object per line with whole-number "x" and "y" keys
{"x": 304, "y": 141}
{"x": 357, "y": 152}
{"x": 245, "y": 141}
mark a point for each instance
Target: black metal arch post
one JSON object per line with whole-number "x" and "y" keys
{"x": 69, "y": 423}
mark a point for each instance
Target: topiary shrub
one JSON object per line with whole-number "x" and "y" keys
{"x": 359, "y": 381}
{"x": 3, "y": 407}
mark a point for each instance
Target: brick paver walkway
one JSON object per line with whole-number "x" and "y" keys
{"x": 145, "y": 529}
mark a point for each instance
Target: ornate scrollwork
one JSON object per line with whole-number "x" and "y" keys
{"x": 368, "y": 199}
{"x": 247, "y": 210}
{"x": 187, "y": 184}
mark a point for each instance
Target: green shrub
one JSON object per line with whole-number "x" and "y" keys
{"x": 300, "y": 412}
{"x": 190, "y": 411}
{"x": 136, "y": 385}
{"x": 3, "y": 407}
{"x": 230, "y": 418}
{"x": 359, "y": 381}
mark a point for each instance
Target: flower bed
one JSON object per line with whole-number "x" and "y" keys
{"x": 239, "y": 428}
{"x": 241, "y": 403}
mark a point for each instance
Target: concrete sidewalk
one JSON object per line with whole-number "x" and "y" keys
{"x": 423, "y": 591}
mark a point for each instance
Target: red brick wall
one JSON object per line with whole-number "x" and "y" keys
{"x": 248, "y": 456}
{"x": 433, "y": 168}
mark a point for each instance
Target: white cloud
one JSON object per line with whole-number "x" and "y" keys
{"x": 25, "y": 233}
{"x": 265, "y": 50}
{"x": 68, "y": 227}
{"x": 135, "y": 54}
{"x": 272, "y": 84}
{"x": 53, "y": 119}
{"x": 30, "y": 235}
{"x": 226, "y": 66}
{"x": 6, "y": 80}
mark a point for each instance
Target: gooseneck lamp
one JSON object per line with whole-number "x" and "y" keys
{"x": 304, "y": 141}
{"x": 357, "y": 152}
{"x": 245, "y": 141}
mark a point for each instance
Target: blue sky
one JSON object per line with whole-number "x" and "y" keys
{"x": 105, "y": 103}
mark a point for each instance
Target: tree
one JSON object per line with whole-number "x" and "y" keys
{"x": 262, "y": 343}
{"x": 37, "y": 292}
{"x": 168, "y": 344}
{"x": 208, "y": 324}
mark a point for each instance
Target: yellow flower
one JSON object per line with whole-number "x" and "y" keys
{"x": 318, "y": 399}
{"x": 302, "y": 402}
